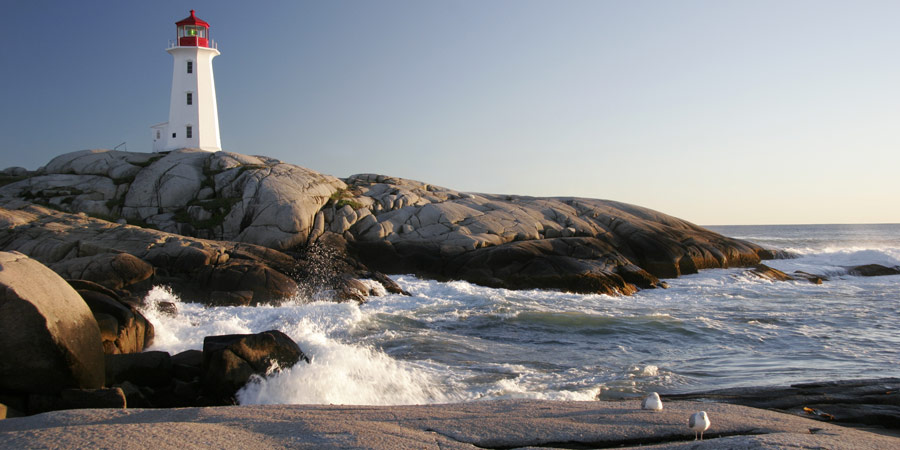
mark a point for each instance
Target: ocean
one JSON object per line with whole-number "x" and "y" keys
{"x": 457, "y": 342}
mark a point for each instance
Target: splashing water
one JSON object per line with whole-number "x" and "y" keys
{"x": 456, "y": 341}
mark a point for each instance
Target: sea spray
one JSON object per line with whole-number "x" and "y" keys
{"x": 345, "y": 374}
{"x": 457, "y": 341}
{"x": 339, "y": 373}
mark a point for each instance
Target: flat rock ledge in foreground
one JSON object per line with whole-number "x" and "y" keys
{"x": 489, "y": 424}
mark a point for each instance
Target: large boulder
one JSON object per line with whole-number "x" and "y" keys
{"x": 49, "y": 339}
{"x": 230, "y": 360}
{"x": 874, "y": 270}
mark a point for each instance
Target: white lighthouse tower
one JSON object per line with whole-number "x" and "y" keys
{"x": 193, "y": 115}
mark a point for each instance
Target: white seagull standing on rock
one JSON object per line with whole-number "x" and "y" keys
{"x": 699, "y": 423}
{"x": 652, "y": 402}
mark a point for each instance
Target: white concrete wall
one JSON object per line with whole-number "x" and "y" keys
{"x": 158, "y": 134}
{"x": 202, "y": 115}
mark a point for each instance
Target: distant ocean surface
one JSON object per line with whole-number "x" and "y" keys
{"x": 452, "y": 342}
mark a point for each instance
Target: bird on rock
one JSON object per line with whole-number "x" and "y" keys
{"x": 699, "y": 423}
{"x": 652, "y": 402}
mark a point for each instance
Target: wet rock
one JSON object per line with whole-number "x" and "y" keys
{"x": 582, "y": 265}
{"x": 49, "y": 339}
{"x": 389, "y": 285}
{"x": 812, "y": 278}
{"x": 352, "y": 290}
{"x": 168, "y": 309}
{"x": 874, "y": 270}
{"x": 768, "y": 273}
{"x": 230, "y": 360}
{"x": 267, "y": 284}
{"x": 142, "y": 369}
{"x": 233, "y": 298}
{"x": 874, "y": 402}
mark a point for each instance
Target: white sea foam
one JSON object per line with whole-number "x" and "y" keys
{"x": 646, "y": 371}
{"x": 341, "y": 373}
{"x": 457, "y": 341}
{"x": 521, "y": 388}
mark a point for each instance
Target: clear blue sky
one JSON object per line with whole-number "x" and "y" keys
{"x": 719, "y": 112}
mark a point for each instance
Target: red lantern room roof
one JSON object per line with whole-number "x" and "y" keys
{"x": 193, "y": 20}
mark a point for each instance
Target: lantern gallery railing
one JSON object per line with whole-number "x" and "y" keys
{"x": 211, "y": 44}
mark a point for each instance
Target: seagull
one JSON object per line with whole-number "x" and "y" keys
{"x": 652, "y": 402}
{"x": 699, "y": 423}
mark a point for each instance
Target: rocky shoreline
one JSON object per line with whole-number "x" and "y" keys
{"x": 84, "y": 238}
{"x": 385, "y": 224}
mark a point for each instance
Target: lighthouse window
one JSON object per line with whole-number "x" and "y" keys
{"x": 190, "y": 67}
{"x": 188, "y": 132}
{"x": 190, "y": 98}
{"x": 192, "y": 31}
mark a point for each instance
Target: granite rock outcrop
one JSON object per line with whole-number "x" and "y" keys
{"x": 568, "y": 243}
{"x": 221, "y": 195}
{"x": 120, "y": 256}
{"x": 388, "y": 224}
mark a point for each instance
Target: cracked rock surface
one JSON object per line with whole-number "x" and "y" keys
{"x": 567, "y": 243}
{"x": 119, "y": 256}
{"x": 220, "y": 195}
{"x": 490, "y": 424}
{"x": 391, "y": 225}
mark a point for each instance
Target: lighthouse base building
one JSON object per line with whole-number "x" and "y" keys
{"x": 193, "y": 113}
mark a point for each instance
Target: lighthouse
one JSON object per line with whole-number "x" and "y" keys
{"x": 193, "y": 115}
